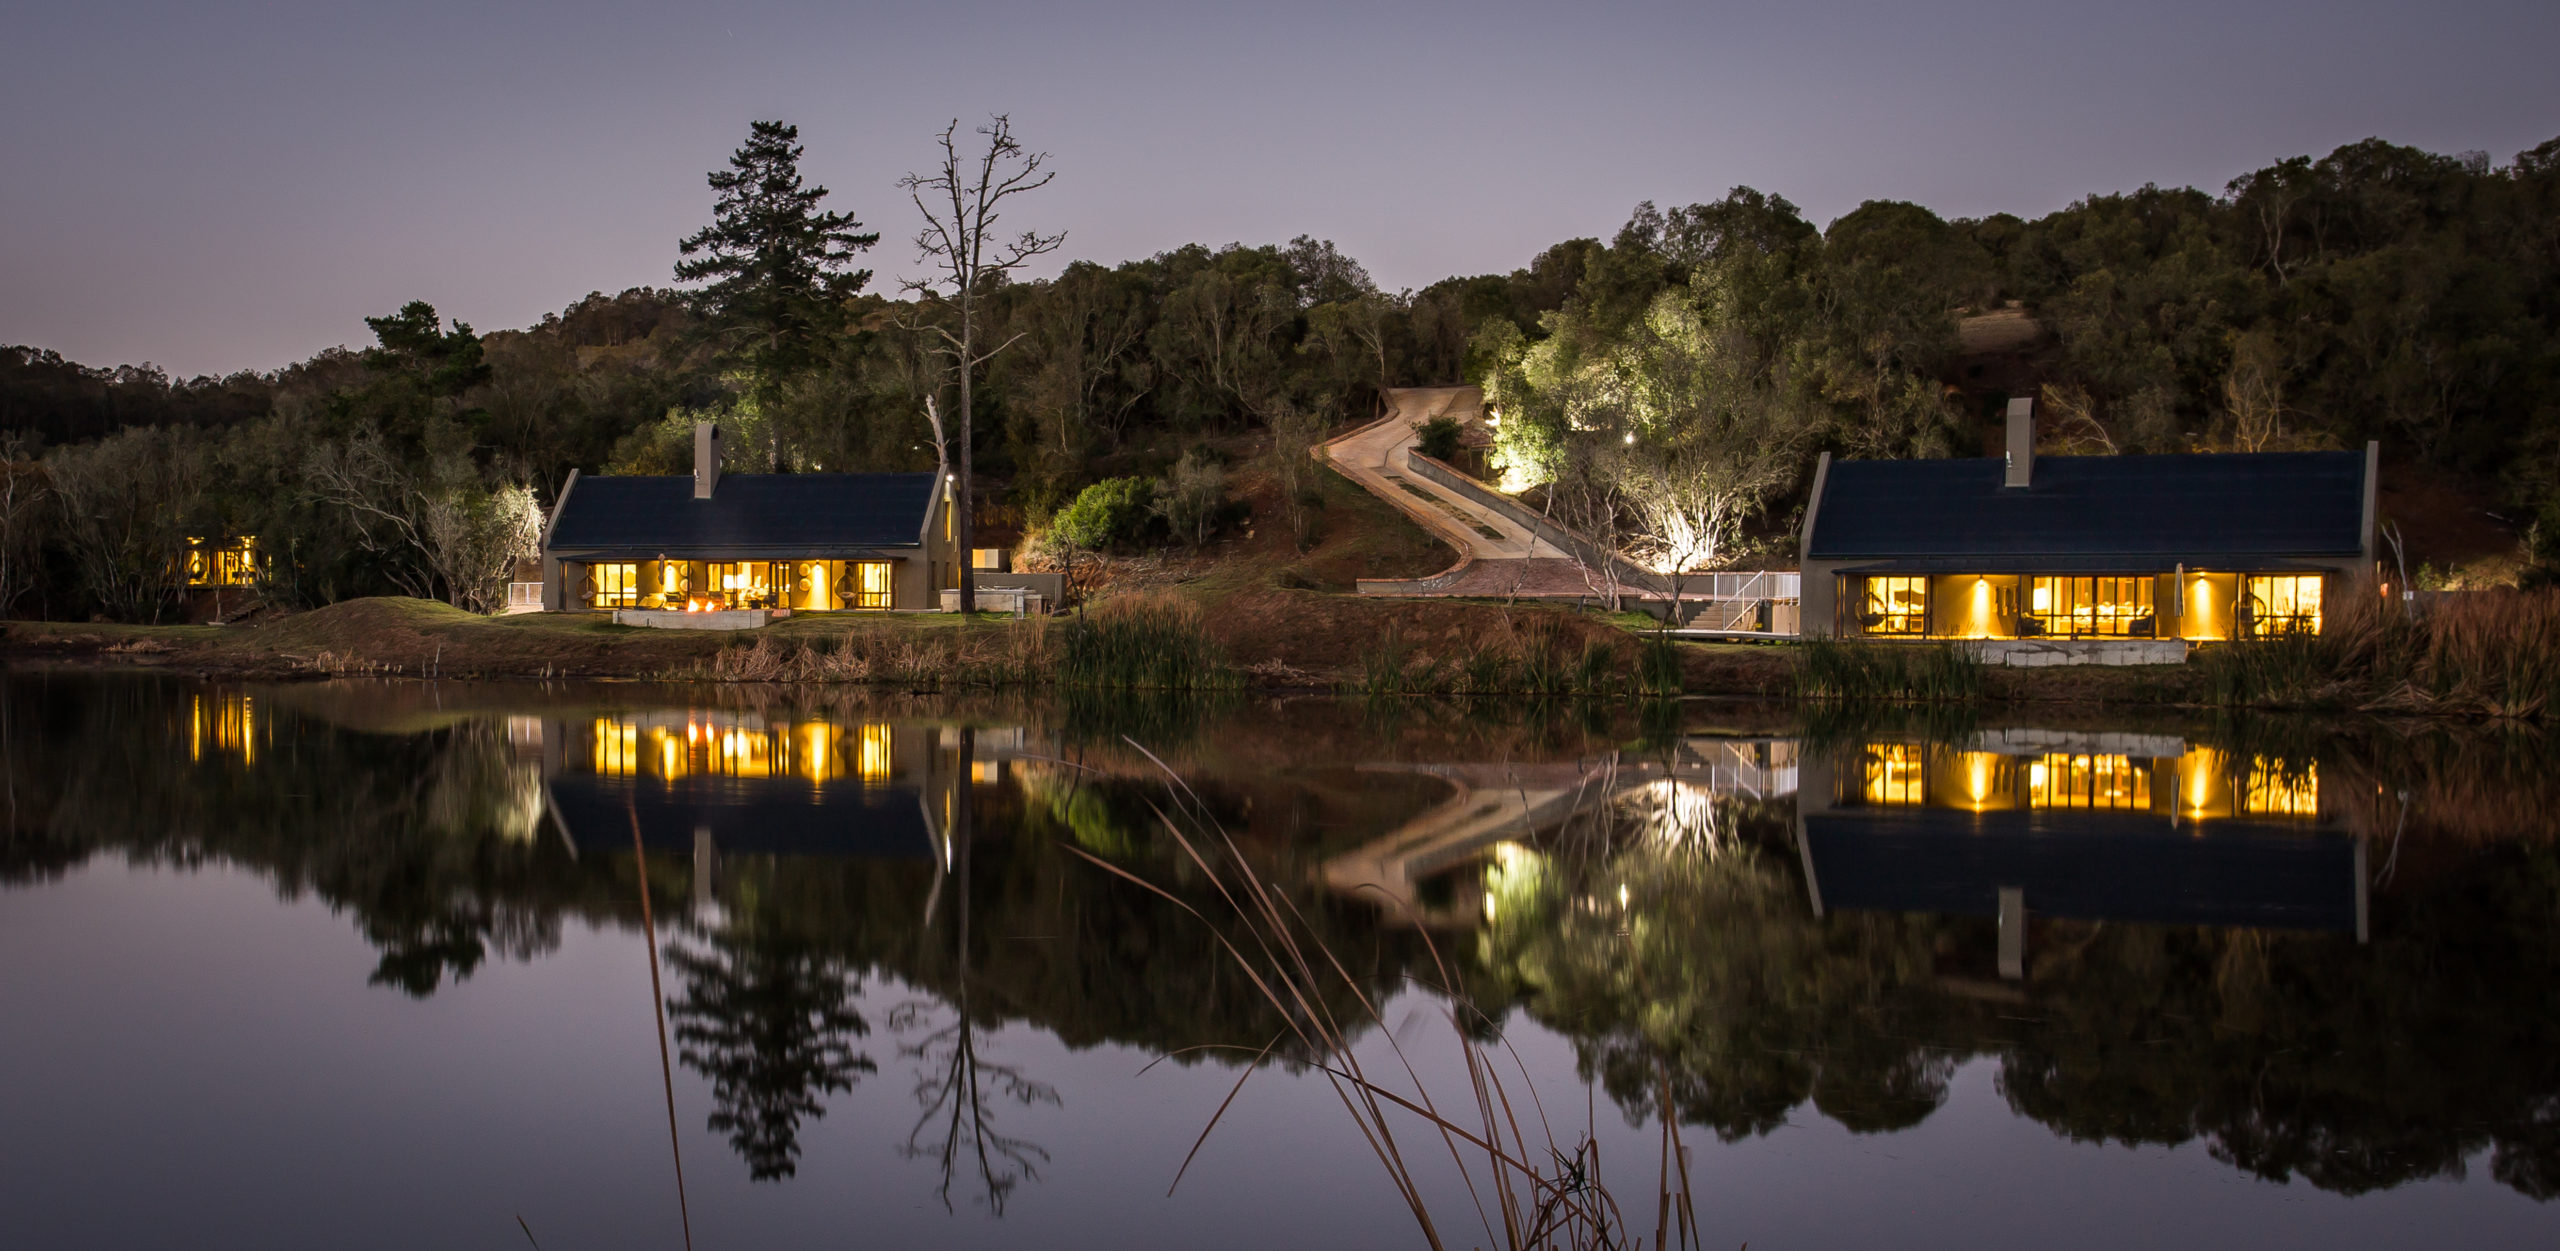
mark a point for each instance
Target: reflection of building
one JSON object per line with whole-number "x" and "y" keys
{"x": 2087, "y": 547}
{"x": 2099, "y": 827}
{"x": 714, "y": 783}
{"x": 1412, "y": 870}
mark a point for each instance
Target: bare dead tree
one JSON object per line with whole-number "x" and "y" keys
{"x": 24, "y": 494}
{"x": 960, "y": 203}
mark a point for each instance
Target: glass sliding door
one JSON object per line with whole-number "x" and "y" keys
{"x": 2284, "y": 603}
{"x": 2091, "y": 607}
{"x": 1895, "y": 604}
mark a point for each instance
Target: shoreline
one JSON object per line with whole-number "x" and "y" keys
{"x": 1284, "y": 643}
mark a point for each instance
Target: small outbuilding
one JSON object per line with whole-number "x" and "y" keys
{"x": 726, "y": 542}
{"x": 2193, "y": 547}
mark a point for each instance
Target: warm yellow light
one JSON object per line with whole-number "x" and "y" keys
{"x": 1978, "y": 777}
{"x": 873, "y": 754}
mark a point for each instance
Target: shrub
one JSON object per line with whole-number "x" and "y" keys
{"x": 1438, "y": 438}
{"x": 1114, "y": 512}
{"x": 1191, "y": 497}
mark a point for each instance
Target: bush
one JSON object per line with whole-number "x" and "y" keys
{"x": 1438, "y": 438}
{"x": 1114, "y": 512}
{"x": 1191, "y": 498}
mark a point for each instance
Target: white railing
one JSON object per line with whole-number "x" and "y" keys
{"x": 1756, "y": 585}
{"x": 524, "y": 595}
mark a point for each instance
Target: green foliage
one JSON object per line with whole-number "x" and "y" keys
{"x": 1438, "y": 438}
{"x": 1915, "y": 673}
{"x": 779, "y": 266}
{"x": 1114, "y": 512}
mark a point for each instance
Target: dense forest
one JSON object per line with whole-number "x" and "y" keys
{"x": 1670, "y": 386}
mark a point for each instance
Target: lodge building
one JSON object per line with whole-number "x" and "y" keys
{"x": 715, "y": 542}
{"x": 2191, "y": 547}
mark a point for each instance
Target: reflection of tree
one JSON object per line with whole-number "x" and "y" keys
{"x": 771, "y": 1022}
{"x": 2354, "y": 1068}
{"x": 956, "y": 1088}
{"x": 958, "y": 1092}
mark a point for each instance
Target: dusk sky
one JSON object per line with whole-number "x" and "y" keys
{"x": 217, "y": 186}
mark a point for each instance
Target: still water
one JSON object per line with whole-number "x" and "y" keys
{"x": 366, "y": 964}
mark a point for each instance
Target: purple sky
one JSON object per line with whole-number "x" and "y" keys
{"x": 214, "y": 186}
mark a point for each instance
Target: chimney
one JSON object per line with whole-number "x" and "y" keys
{"x": 2022, "y": 442}
{"x": 706, "y": 459}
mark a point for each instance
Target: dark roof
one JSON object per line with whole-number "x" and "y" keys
{"x": 2159, "y": 509}
{"x": 781, "y": 817}
{"x": 748, "y": 514}
{"x": 2089, "y": 865}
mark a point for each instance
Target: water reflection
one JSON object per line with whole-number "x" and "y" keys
{"x": 2302, "y": 948}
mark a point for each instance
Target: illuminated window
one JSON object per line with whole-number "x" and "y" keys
{"x": 2079, "y": 607}
{"x": 751, "y": 583}
{"x": 210, "y": 564}
{"x": 1896, "y": 605}
{"x": 613, "y": 585}
{"x": 2284, "y": 603}
{"x": 868, "y": 584}
{"x": 617, "y": 748}
{"x": 2274, "y": 790}
{"x": 2063, "y": 780}
{"x": 1893, "y": 773}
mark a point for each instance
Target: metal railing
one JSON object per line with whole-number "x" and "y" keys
{"x": 1761, "y": 584}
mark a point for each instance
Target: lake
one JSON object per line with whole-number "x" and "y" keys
{"x": 486, "y": 964}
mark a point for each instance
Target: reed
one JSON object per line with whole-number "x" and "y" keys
{"x": 1529, "y": 1191}
{"x": 1658, "y": 667}
{"x": 1890, "y": 673}
{"x": 2482, "y": 654}
{"x": 1142, "y": 643}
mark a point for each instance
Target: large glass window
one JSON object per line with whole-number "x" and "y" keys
{"x": 2077, "y": 607}
{"x": 1895, "y": 604}
{"x": 613, "y": 584}
{"x": 222, "y": 564}
{"x": 750, "y": 583}
{"x": 2284, "y": 603}
{"x": 867, "y": 584}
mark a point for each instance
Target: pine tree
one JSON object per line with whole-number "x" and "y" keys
{"x": 779, "y": 265}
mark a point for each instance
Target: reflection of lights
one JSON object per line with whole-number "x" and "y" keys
{"x": 2065, "y": 780}
{"x": 875, "y": 764}
{"x": 1676, "y": 813}
{"x": 617, "y": 748}
{"x": 226, "y": 726}
{"x": 1893, "y": 773}
{"x": 2275, "y": 791}
{"x": 1622, "y": 894}
{"x": 1977, "y": 777}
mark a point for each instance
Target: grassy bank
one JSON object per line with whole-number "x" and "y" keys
{"x": 2492, "y": 655}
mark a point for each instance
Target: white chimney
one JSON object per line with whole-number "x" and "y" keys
{"x": 706, "y": 459}
{"x": 2022, "y": 442}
